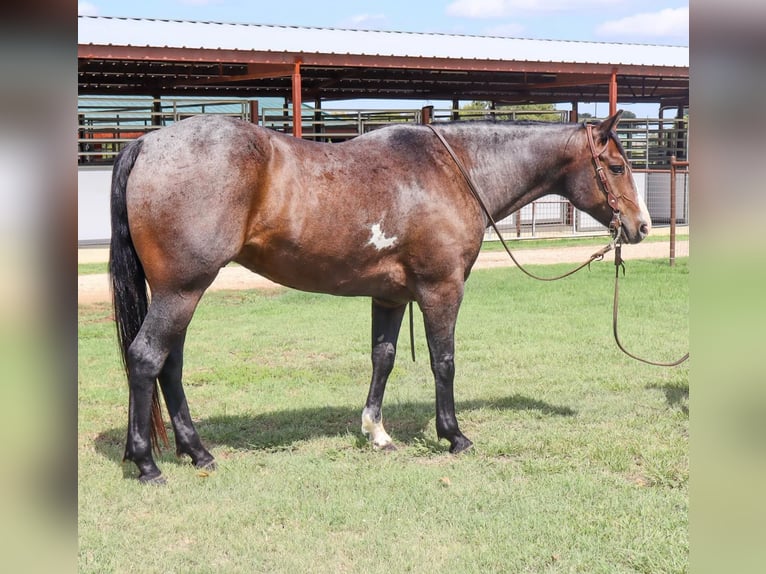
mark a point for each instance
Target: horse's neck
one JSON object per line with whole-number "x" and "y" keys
{"x": 513, "y": 165}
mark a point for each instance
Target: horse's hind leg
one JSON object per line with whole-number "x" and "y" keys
{"x": 187, "y": 439}
{"x": 386, "y": 322}
{"x": 164, "y": 325}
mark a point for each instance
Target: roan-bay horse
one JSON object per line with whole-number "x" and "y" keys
{"x": 387, "y": 215}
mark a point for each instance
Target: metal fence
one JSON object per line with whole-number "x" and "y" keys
{"x": 106, "y": 124}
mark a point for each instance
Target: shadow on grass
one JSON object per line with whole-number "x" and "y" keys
{"x": 279, "y": 430}
{"x": 677, "y": 396}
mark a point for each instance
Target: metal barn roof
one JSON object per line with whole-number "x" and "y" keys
{"x": 267, "y": 38}
{"x": 130, "y": 56}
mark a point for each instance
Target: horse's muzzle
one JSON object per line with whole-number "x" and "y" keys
{"x": 638, "y": 234}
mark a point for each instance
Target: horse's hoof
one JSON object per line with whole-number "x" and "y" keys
{"x": 206, "y": 469}
{"x": 388, "y": 447}
{"x": 158, "y": 480}
{"x": 208, "y": 466}
{"x": 460, "y": 444}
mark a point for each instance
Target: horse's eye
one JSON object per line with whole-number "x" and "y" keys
{"x": 617, "y": 169}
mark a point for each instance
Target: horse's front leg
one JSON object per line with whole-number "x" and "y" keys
{"x": 440, "y": 307}
{"x": 386, "y": 322}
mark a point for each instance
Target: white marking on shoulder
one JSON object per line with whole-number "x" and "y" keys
{"x": 379, "y": 239}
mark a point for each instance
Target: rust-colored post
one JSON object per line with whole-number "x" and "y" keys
{"x": 672, "y": 211}
{"x": 613, "y": 92}
{"x": 297, "y": 102}
{"x": 426, "y": 114}
{"x": 254, "y": 111}
{"x": 674, "y": 163}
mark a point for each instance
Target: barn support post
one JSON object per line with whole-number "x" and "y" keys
{"x": 426, "y": 114}
{"x": 680, "y": 133}
{"x": 318, "y": 125}
{"x": 570, "y": 216}
{"x": 254, "y": 111}
{"x": 674, "y": 164}
{"x": 613, "y": 92}
{"x": 297, "y": 102}
{"x": 455, "y": 109}
{"x": 286, "y": 115}
{"x": 157, "y": 110}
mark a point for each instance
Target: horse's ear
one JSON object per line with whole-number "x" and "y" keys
{"x": 606, "y": 126}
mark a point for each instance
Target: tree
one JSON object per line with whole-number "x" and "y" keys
{"x": 483, "y": 110}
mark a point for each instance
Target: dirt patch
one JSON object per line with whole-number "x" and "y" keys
{"x": 95, "y": 288}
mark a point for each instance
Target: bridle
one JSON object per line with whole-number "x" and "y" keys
{"x": 612, "y": 199}
{"x": 615, "y": 229}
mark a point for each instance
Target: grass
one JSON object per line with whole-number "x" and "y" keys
{"x": 92, "y": 268}
{"x": 580, "y": 461}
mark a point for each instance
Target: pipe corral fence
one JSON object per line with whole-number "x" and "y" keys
{"x": 656, "y": 148}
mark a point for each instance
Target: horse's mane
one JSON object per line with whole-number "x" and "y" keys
{"x": 494, "y": 121}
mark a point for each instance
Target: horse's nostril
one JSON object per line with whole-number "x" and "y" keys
{"x": 644, "y": 230}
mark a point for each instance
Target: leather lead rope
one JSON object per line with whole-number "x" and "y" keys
{"x": 597, "y": 256}
{"x": 618, "y": 263}
{"x": 412, "y": 334}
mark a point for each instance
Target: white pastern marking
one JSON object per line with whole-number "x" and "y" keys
{"x": 375, "y": 430}
{"x": 379, "y": 239}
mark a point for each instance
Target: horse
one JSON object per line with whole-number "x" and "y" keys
{"x": 387, "y": 215}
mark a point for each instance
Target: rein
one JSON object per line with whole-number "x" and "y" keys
{"x": 618, "y": 263}
{"x": 597, "y": 256}
{"x": 615, "y": 243}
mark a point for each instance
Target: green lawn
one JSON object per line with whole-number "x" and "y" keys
{"x": 580, "y": 461}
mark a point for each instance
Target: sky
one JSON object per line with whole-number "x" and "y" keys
{"x": 646, "y": 21}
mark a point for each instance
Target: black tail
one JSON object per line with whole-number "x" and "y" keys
{"x": 129, "y": 293}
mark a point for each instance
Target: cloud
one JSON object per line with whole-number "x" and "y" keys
{"x": 86, "y": 9}
{"x": 505, "y": 8}
{"x": 477, "y": 8}
{"x": 364, "y": 21}
{"x": 668, "y": 23}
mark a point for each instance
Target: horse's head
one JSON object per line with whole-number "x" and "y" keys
{"x": 601, "y": 182}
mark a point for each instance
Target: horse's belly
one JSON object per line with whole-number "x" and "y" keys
{"x": 349, "y": 275}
